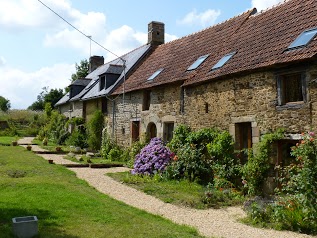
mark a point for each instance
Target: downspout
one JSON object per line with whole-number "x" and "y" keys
{"x": 113, "y": 117}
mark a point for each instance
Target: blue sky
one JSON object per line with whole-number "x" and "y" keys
{"x": 39, "y": 50}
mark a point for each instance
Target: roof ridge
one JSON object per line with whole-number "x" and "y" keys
{"x": 207, "y": 28}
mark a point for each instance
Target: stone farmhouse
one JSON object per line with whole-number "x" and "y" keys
{"x": 250, "y": 75}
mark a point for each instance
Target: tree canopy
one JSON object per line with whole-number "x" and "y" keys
{"x": 4, "y": 104}
{"x": 82, "y": 70}
{"x": 45, "y": 97}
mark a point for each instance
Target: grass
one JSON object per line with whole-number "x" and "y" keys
{"x": 94, "y": 160}
{"x": 51, "y": 146}
{"x": 6, "y": 140}
{"x": 183, "y": 192}
{"x": 67, "y": 206}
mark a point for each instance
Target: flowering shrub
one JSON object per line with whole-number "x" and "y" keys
{"x": 202, "y": 154}
{"x": 190, "y": 163}
{"x": 299, "y": 182}
{"x": 153, "y": 158}
{"x": 256, "y": 169}
{"x": 295, "y": 208}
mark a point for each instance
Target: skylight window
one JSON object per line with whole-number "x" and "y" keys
{"x": 153, "y": 76}
{"x": 198, "y": 62}
{"x": 303, "y": 39}
{"x": 222, "y": 61}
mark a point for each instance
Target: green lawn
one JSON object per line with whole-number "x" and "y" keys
{"x": 183, "y": 192}
{"x": 94, "y": 160}
{"x": 67, "y": 206}
{"x": 6, "y": 140}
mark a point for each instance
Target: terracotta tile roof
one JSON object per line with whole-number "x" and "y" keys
{"x": 176, "y": 56}
{"x": 264, "y": 38}
{"x": 259, "y": 40}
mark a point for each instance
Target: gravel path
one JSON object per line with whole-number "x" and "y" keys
{"x": 210, "y": 223}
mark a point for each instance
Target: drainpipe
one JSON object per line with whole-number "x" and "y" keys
{"x": 113, "y": 115}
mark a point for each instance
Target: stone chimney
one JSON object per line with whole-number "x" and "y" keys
{"x": 156, "y": 33}
{"x": 94, "y": 62}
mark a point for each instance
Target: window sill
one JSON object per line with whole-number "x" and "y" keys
{"x": 291, "y": 105}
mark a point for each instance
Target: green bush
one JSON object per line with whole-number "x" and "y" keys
{"x": 77, "y": 138}
{"x": 180, "y": 135}
{"x": 214, "y": 197}
{"x": 295, "y": 208}
{"x": 190, "y": 163}
{"x": 299, "y": 181}
{"x": 203, "y": 154}
{"x": 132, "y": 151}
{"x": 110, "y": 150}
{"x": 55, "y": 128}
{"x": 94, "y": 128}
{"x": 256, "y": 169}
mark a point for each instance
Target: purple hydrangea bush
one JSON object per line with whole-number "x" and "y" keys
{"x": 153, "y": 158}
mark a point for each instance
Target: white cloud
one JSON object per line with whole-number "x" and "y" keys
{"x": 22, "y": 88}
{"x": 264, "y": 4}
{"x": 124, "y": 39}
{"x": 92, "y": 24}
{"x": 31, "y": 14}
{"x": 203, "y": 19}
{"x": 2, "y": 61}
{"x": 26, "y": 14}
{"x": 169, "y": 37}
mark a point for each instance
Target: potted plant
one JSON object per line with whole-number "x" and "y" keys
{"x": 50, "y": 161}
{"x": 14, "y": 143}
{"x": 58, "y": 148}
{"x": 29, "y": 147}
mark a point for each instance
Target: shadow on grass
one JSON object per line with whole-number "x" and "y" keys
{"x": 48, "y": 226}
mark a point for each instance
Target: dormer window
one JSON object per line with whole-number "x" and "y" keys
{"x": 303, "y": 39}
{"x": 222, "y": 61}
{"x": 198, "y": 62}
{"x": 102, "y": 83}
{"x": 153, "y": 76}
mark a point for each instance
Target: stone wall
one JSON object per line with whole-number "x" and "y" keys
{"x": 91, "y": 106}
{"x": 71, "y": 109}
{"x": 222, "y": 104}
{"x": 64, "y": 109}
{"x": 77, "y": 109}
{"x": 251, "y": 98}
{"x": 164, "y": 108}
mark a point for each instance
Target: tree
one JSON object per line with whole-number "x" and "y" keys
{"x": 4, "y": 104}
{"x": 45, "y": 97}
{"x": 82, "y": 70}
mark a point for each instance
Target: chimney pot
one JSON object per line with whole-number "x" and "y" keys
{"x": 95, "y": 61}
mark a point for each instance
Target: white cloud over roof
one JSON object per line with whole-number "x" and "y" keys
{"x": 264, "y": 4}
{"x": 204, "y": 19}
{"x": 22, "y": 87}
